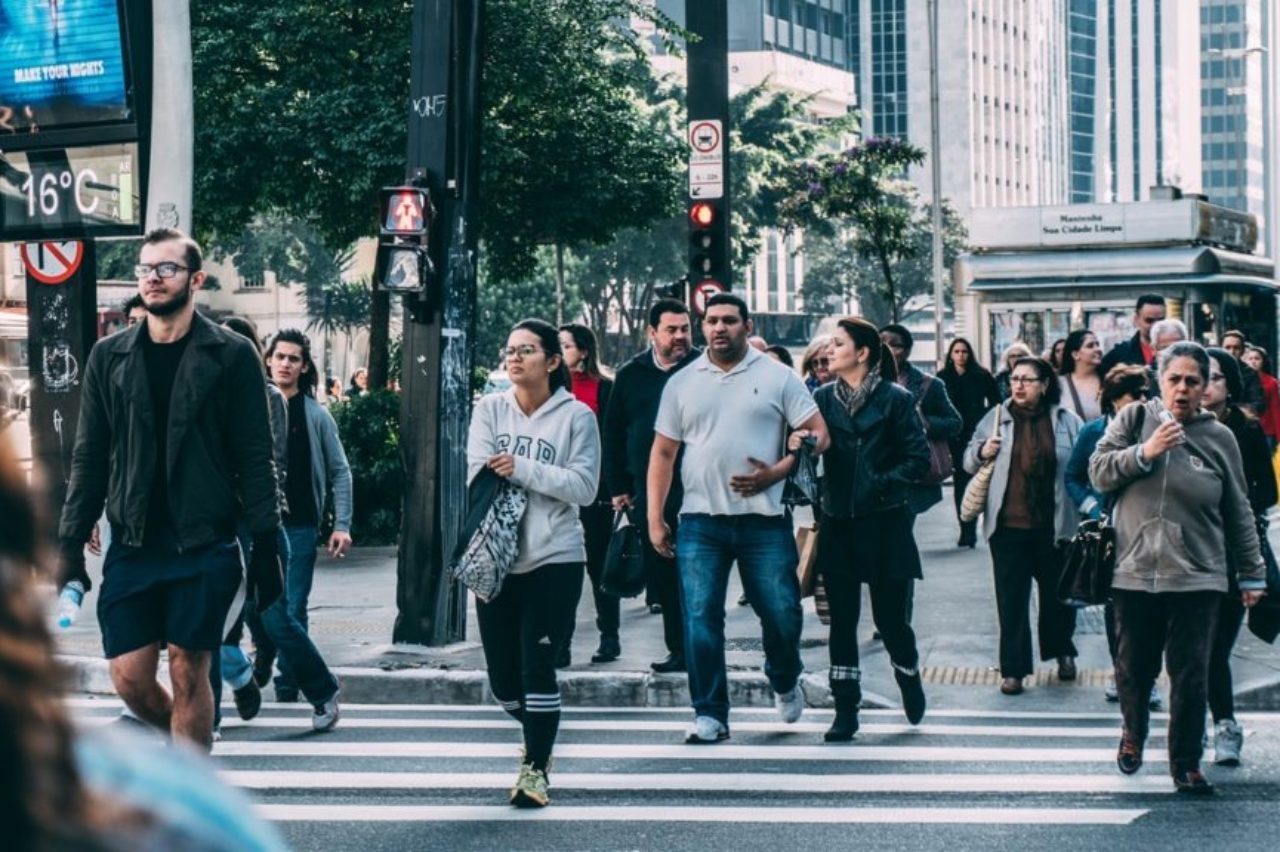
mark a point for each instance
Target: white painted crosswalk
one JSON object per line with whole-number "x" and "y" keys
{"x": 423, "y": 764}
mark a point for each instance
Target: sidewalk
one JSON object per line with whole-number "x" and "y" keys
{"x": 353, "y": 610}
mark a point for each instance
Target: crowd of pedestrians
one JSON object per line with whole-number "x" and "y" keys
{"x": 215, "y": 463}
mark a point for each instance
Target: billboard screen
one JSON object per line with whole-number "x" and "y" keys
{"x": 62, "y": 66}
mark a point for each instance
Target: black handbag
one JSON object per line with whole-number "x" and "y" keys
{"x": 1089, "y": 565}
{"x": 1264, "y": 616}
{"x": 802, "y": 482}
{"x": 623, "y": 575}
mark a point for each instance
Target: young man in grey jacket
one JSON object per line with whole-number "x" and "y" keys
{"x": 317, "y": 465}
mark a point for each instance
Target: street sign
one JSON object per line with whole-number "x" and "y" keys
{"x": 704, "y": 291}
{"x": 52, "y": 262}
{"x": 706, "y": 159}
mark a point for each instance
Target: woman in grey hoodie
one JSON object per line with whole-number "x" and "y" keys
{"x": 541, "y": 439}
{"x": 1181, "y": 518}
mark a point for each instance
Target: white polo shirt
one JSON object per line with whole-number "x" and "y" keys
{"x": 724, "y": 418}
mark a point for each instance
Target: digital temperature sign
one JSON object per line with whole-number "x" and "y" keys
{"x": 62, "y": 67}
{"x": 91, "y": 191}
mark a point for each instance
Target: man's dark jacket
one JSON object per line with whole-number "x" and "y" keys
{"x": 1125, "y": 352}
{"x": 219, "y": 466}
{"x": 628, "y": 426}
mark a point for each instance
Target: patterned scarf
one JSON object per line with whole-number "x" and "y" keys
{"x": 854, "y": 398}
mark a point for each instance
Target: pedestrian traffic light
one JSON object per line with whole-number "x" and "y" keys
{"x": 403, "y": 263}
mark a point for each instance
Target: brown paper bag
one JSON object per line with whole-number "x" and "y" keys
{"x": 807, "y": 551}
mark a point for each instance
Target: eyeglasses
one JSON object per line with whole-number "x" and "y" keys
{"x": 1024, "y": 380}
{"x": 526, "y": 350}
{"x": 166, "y": 270}
{"x": 822, "y": 362}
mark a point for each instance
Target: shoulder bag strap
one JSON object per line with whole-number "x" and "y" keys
{"x": 1075, "y": 397}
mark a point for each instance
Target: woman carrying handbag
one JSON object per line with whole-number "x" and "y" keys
{"x": 878, "y": 449}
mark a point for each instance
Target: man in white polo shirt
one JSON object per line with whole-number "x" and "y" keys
{"x": 730, "y": 409}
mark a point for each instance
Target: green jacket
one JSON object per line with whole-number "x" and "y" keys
{"x": 219, "y": 446}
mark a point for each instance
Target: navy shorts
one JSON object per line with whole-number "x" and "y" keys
{"x": 151, "y": 595}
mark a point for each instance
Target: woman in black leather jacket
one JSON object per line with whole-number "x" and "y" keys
{"x": 878, "y": 449}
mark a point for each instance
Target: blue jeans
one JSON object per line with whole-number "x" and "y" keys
{"x": 299, "y": 571}
{"x": 765, "y": 550}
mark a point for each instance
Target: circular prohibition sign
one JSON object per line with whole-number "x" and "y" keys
{"x": 52, "y": 262}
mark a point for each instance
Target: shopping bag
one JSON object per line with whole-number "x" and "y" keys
{"x": 807, "y": 552}
{"x": 623, "y": 574}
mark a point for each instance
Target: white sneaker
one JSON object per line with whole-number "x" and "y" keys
{"x": 707, "y": 730}
{"x": 1111, "y": 694}
{"x": 326, "y": 715}
{"x": 1228, "y": 738}
{"x": 790, "y": 704}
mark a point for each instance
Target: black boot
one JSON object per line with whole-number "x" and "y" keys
{"x": 912, "y": 687}
{"x": 848, "y": 696}
{"x": 610, "y": 649}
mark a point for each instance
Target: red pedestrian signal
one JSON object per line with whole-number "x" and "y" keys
{"x": 702, "y": 214}
{"x": 405, "y": 215}
{"x": 404, "y": 212}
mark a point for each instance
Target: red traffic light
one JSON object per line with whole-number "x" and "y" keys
{"x": 702, "y": 214}
{"x": 404, "y": 211}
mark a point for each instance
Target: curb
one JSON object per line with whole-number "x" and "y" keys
{"x": 471, "y": 686}
{"x": 1262, "y": 694}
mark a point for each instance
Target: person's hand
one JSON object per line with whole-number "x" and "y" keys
{"x": 95, "y": 541}
{"x": 503, "y": 464}
{"x": 265, "y": 575}
{"x": 750, "y": 484}
{"x": 1250, "y": 598}
{"x": 622, "y": 501}
{"x": 1167, "y": 436}
{"x": 72, "y": 564}
{"x": 660, "y": 538}
{"x": 339, "y": 544}
{"x": 990, "y": 449}
{"x": 796, "y": 441}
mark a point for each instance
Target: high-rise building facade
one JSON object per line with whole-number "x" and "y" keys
{"x": 1237, "y": 114}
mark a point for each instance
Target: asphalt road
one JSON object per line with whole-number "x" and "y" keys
{"x": 989, "y": 774}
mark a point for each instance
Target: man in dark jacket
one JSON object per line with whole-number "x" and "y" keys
{"x": 628, "y": 438}
{"x": 1149, "y": 310}
{"x": 174, "y": 437}
{"x": 1252, "y": 398}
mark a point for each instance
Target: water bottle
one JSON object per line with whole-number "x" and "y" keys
{"x": 69, "y": 602}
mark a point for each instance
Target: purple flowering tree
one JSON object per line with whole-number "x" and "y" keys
{"x": 853, "y": 192}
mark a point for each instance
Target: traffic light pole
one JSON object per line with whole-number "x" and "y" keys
{"x": 708, "y": 204}
{"x": 444, "y": 147}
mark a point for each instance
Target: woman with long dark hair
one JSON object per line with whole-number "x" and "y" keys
{"x": 1257, "y": 358}
{"x": 1081, "y": 382}
{"x": 592, "y": 386}
{"x": 1028, "y": 516}
{"x": 878, "y": 448}
{"x": 972, "y": 390}
{"x": 1183, "y": 525}
{"x": 1222, "y": 396}
{"x": 539, "y": 438}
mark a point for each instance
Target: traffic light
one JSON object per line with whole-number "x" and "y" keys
{"x": 403, "y": 264}
{"x": 708, "y": 243}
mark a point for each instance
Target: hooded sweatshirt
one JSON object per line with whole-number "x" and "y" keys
{"x": 557, "y": 453}
{"x": 1182, "y": 518}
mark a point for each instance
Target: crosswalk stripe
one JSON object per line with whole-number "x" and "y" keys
{"x": 323, "y": 747}
{"x": 703, "y": 814}
{"x": 698, "y": 782}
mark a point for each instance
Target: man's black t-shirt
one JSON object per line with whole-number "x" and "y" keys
{"x": 298, "y": 491}
{"x": 162, "y": 360}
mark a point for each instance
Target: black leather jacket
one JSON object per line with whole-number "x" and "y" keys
{"x": 875, "y": 457}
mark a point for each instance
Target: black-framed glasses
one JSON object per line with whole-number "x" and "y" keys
{"x": 166, "y": 270}
{"x": 1025, "y": 380}
{"x": 525, "y": 350}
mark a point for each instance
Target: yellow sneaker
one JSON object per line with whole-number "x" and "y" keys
{"x": 531, "y": 789}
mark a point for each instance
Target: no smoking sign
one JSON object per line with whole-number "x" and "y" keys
{"x": 52, "y": 262}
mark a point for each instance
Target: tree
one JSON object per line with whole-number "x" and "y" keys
{"x": 856, "y": 189}
{"x": 500, "y": 304}
{"x": 836, "y": 268}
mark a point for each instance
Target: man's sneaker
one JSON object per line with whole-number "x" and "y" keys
{"x": 1228, "y": 738}
{"x": 669, "y": 663}
{"x": 217, "y": 734}
{"x": 1192, "y": 782}
{"x": 1067, "y": 670}
{"x": 1156, "y": 701}
{"x": 790, "y": 704}
{"x": 610, "y": 649}
{"x": 707, "y": 730}
{"x": 1111, "y": 693}
{"x": 1129, "y": 756}
{"x": 532, "y": 789}
{"x": 248, "y": 700}
{"x": 326, "y": 715}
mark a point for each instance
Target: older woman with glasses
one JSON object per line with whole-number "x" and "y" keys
{"x": 1182, "y": 520}
{"x": 1028, "y": 516}
{"x": 816, "y": 364}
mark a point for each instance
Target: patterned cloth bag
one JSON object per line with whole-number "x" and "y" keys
{"x": 491, "y": 551}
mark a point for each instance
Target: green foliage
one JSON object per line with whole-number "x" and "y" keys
{"x": 856, "y": 189}
{"x": 369, "y": 426}
{"x": 344, "y": 307}
{"x": 836, "y": 268}
{"x": 501, "y": 304}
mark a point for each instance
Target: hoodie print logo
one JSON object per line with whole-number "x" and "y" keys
{"x": 1197, "y": 464}
{"x": 523, "y": 446}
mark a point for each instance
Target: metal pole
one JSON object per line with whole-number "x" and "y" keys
{"x": 169, "y": 186}
{"x": 935, "y": 144}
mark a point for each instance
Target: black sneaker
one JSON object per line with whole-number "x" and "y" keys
{"x": 1192, "y": 782}
{"x": 1129, "y": 756}
{"x": 610, "y": 649}
{"x": 248, "y": 700}
{"x": 670, "y": 663}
